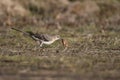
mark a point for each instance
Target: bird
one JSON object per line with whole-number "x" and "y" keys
{"x": 41, "y": 39}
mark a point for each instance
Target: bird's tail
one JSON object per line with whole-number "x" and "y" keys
{"x": 20, "y": 31}
{"x": 29, "y": 33}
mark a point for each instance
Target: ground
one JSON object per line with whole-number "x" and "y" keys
{"x": 93, "y": 51}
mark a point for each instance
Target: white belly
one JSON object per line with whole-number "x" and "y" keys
{"x": 50, "y": 42}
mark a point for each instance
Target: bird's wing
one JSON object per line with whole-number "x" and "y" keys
{"x": 43, "y": 37}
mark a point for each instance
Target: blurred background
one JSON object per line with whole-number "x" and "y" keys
{"x": 104, "y": 14}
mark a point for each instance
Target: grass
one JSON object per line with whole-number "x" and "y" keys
{"x": 90, "y": 55}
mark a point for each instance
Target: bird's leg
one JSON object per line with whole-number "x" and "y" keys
{"x": 42, "y": 49}
{"x": 40, "y": 44}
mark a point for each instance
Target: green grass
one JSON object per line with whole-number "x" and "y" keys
{"x": 90, "y": 55}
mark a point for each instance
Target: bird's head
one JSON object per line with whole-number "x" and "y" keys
{"x": 57, "y": 37}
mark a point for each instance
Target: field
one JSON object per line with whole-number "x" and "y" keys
{"x": 93, "y": 51}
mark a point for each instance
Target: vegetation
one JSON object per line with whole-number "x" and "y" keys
{"x": 93, "y": 51}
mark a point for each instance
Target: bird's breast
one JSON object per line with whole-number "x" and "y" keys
{"x": 48, "y": 42}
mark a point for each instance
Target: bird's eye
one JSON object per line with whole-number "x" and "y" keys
{"x": 58, "y": 36}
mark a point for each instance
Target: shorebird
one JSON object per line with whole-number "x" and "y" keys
{"x": 41, "y": 38}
